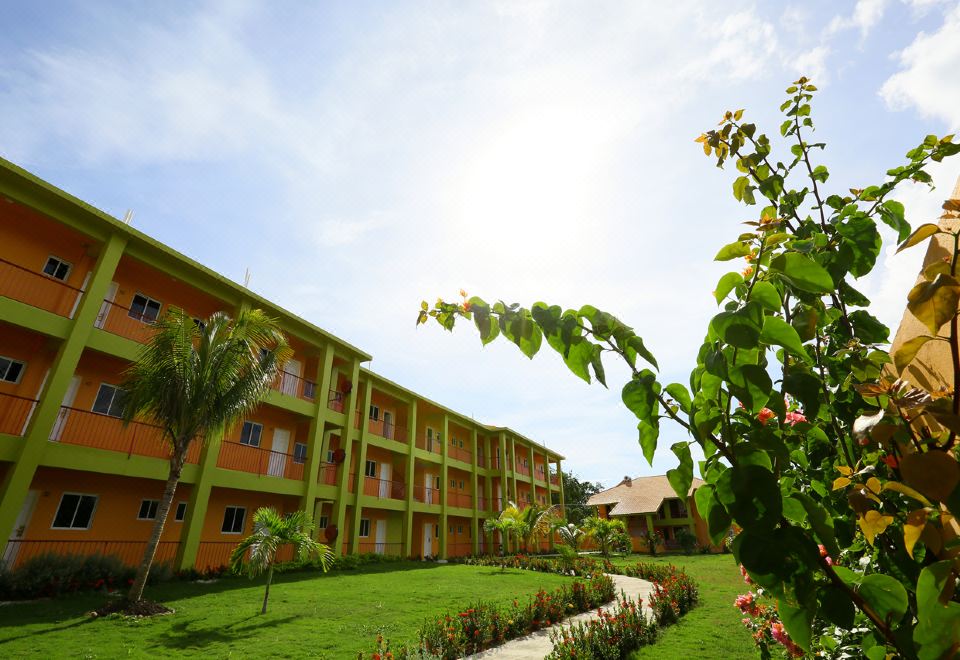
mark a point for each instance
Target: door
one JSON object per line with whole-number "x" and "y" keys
{"x": 64, "y": 413}
{"x": 499, "y": 498}
{"x": 427, "y": 539}
{"x": 291, "y": 377}
{"x": 106, "y": 305}
{"x": 83, "y": 287}
{"x": 381, "y": 538}
{"x": 428, "y": 488}
{"x": 278, "y": 455}
{"x": 385, "y": 482}
{"x": 429, "y": 439}
{"x": 388, "y": 424}
{"x": 19, "y": 529}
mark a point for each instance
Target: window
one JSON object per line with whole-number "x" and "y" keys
{"x": 148, "y": 510}
{"x": 370, "y": 469}
{"x": 324, "y": 522}
{"x": 525, "y": 464}
{"x": 109, "y": 401}
{"x": 329, "y": 456}
{"x": 364, "y": 528}
{"x": 181, "y": 512}
{"x": 57, "y": 268}
{"x": 10, "y": 370}
{"x": 436, "y": 483}
{"x": 453, "y": 483}
{"x": 451, "y": 529}
{"x": 233, "y": 520}
{"x": 461, "y": 444}
{"x": 250, "y": 433}
{"x": 436, "y": 531}
{"x": 375, "y": 413}
{"x": 75, "y": 511}
{"x": 299, "y": 452}
{"x": 459, "y": 529}
{"x": 461, "y": 484}
{"x": 144, "y": 309}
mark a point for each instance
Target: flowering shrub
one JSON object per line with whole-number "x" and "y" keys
{"x": 615, "y": 632}
{"x": 673, "y": 596}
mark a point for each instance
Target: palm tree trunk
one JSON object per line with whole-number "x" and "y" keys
{"x": 266, "y": 593}
{"x": 143, "y": 571}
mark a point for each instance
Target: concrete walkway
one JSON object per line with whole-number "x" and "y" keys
{"x": 537, "y": 645}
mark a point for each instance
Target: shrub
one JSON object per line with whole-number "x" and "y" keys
{"x": 49, "y": 575}
{"x": 687, "y": 541}
{"x": 614, "y": 633}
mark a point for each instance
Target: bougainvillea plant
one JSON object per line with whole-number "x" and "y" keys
{"x": 808, "y": 437}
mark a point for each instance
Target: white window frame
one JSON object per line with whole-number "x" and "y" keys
{"x": 374, "y": 412}
{"x": 176, "y": 512}
{"x": 453, "y": 484}
{"x": 60, "y": 262}
{"x": 329, "y": 456}
{"x": 235, "y": 509}
{"x": 362, "y": 521}
{"x": 148, "y": 300}
{"x": 367, "y": 469}
{"x": 253, "y": 425}
{"x": 148, "y": 501}
{"x": 113, "y": 399}
{"x": 301, "y": 458}
{"x": 324, "y": 522}
{"x": 12, "y": 361}
{"x": 93, "y": 512}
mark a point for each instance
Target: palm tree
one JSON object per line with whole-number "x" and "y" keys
{"x": 603, "y": 531}
{"x": 539, "y": 522}
{"x": 570, "y": 535}
{"x": 509, "y": 521}
{"x": 195, "y": 380}
{"x": 526, "y": 524}
{"x": 271, "y": 531}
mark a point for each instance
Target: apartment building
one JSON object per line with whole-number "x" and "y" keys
{"x": 381, "y": 468}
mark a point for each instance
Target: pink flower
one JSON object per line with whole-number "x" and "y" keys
{"x": 746, "y": 577}
{"x": 765, "y": 415}
{"x": 778, "y": 633}
{"x": 795, "y": 418}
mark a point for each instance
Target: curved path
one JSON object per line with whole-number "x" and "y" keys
{"x": 537, "y": 645}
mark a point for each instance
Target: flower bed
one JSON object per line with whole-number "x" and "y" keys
{"x": 614, "y": 633}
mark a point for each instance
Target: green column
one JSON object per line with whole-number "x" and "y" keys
{"x": 546, "y": 476}
{"x": 346, "y": 439}
{"x": 411, "y": 475}
{"x": 488, "y": 489}
{"x": 475, "y": 530}
{"x": 315, "y": 444}
{"x": 515, "y": 495}
{"x": 504, "y": 485}
{"x": 361, "y": 460}
{"x": 444, "y": 527}
{"x": 16, "y": 483}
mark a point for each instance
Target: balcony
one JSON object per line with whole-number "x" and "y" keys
{"x": 460, "y": 500}
{"x": 374, "y": 547}
{"x": 295, "y": 386}
{"x": 125, "y": 322}
{"x": 37, "y": 290}
{"x": 525, "y": 471}
{"x": 214, "y": 554}
{"x": 481, "y": 461}
{"x": 387, "y": 430}
{"x": 84, "y": 427}
{"x": 15, "y": 412}
{"x": 426, "y": 495}
{"x": 328, "y": 474}
{"x": 431, "y": 445}
{"x": 335, "y": 401}
{"x": 461, "y": 454}
{"x": 259, "y": 461}
{"x": 555, "y": 479}
{"x": 384, "y": 489}
{"x": 128, "y": 552}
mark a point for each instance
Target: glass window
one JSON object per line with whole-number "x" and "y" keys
{"x": 299, "y": 453}
{"x": 233, "y": 520}
{"x": 370, "y": 469}
{"x": 75, "y": 511}
{"x": 364, "y": 528}
{"x": 453, "y": 483}
{"x": 374, "y": 413}
{"x": 144, "y": 309}
{"x": 110, "y": 400}
{"x": 324, "y": 522}
{"x": 148, "y": 510}
{"x": 56, "y": 268}
{"x": 329, "y": 456}
{"x": 181, "y": 512}
{"x": 250, "y": 433}
{"x": 10, "y": 370}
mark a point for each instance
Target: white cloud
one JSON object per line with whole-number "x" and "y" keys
{"x": 866, "y": 15}
{"x": 813, "y": 64}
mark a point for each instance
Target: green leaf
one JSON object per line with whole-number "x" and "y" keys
{"x": 649, "y": 432}
{"x": 821, "y": 521}
{"x": 767, "y": 295}
{"x": 868, "y": 329}
{"x": 743, "y": 191}
{"x": 751, "y": 384}
{"x": 891, "y": 212}
{"x": 712, "y": 512}
{"x": 937, "y": 634}
{"x": 640, "y": 395}
{"x": 934, "y": 303}
{"x": 681, "y": 478}
{"x": 859, "y": 246}
{"x": 802, "y": 273}
{"x": 680, "y": 395}
{"x": 733, "y": 250}
{"x": 780, "y": 333}
{"x": 837, "y": 608}
{"x": 798, "y": 621}
{"x": 740, "y": 329}
{"x": 726, "y": 285}
{"x": 481, "y": 318}
{"x": 919, "y": 235}
{"x": 885, "y": 595}
{"x": 751, "y": 494}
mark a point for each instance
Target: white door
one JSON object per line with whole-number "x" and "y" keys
{"x": 105, "y": 305}
{"x": 23, "y": 520}
{"x": 83, "y": 287}
{"x": 381, "y": 538}
{"x": 64, "y": 411}
{"x": 429, "y": 439}
{"x": 388, "y": 424}
{"x": 385, "y": 483}
{"x": 428, "y": 488}
{"x": 278, "y": 457}
{"x": 427, "y": 539}
{"x": 291, "y": 376}
{"x": 499, "y": 502}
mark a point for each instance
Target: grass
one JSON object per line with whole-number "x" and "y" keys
{"x": 713, "y": 628}
{"x": 310, "y": 615}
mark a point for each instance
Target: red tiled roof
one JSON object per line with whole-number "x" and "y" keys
{"x": 638, "y": 495}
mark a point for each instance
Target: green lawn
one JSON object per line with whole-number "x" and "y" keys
{"x": 713, "y": 628}
{"x": 310, "y": 616}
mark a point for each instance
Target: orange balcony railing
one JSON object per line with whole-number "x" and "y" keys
{"x": 328, "y": 474}
{"x": 129, "y": 552}
{"x": 428, "y": 444}
{"x": 461, "y": 454}
{"x": 458, "y": 499}
{"x": 259, "y": 461}
{"x": 519, "y": 469}
{"x": 119, "y": 320}
{"x": 84, "y": 427}
{"x": 394, "y": 549}
{"x": 426, "y": 495}
{"x": 37, "y": 290}
{"x": 15, "y": 413}
{"x": 335, "y": 401}
{"x": 387, "y": 430}
{"x": 555, "y": 479}
{"x": 295, "y": 386}
{"x": 214, "y": 554}
{"x": 381, "y": 488}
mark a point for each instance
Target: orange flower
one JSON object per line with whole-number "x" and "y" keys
{"x": 891, "y": 461}
{"x": 463, "y": 294}
{"x": 747, "y": 272}
{"x": 765, "y": 415}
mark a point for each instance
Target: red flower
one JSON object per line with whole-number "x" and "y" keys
{"x": 765, "y": 415}
{"x": 891, "y": 461}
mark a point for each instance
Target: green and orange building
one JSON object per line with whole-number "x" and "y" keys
{"x": 384, "y": 468}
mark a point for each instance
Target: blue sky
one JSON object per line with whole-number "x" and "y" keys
{"x": 360, "y": 157}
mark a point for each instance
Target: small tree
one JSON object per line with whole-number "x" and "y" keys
{"x": 570, "y": 535}
{"x": 604, "y": 532}
{"x": 271, "y": 531}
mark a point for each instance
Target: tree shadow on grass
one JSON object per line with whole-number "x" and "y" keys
{"x": 185, "y": 634}
{"x": 35, "y": 633}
